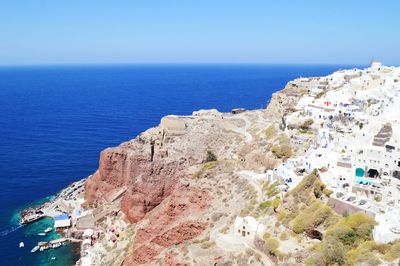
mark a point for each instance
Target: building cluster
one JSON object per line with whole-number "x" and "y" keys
{"x": 356, "y": 117}
{"x": 357, "y": 148}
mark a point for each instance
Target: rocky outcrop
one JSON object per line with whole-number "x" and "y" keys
{"x": 171, "y": 223}
{"x": 148, "y": 183}
{"x": 152, "y": 177}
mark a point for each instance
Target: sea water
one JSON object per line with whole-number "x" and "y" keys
{"x": 54, "y": 121}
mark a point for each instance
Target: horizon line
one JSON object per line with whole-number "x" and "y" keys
{"x": 181, "y": 64}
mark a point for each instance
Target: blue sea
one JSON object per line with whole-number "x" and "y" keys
{"x": 54, "y": 121}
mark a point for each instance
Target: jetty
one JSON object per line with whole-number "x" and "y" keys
{"x": 55, "y": 207}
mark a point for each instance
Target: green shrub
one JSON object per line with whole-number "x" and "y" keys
{"x": 270, "y": 132}
{"x": 333, "y": 252}
{"x": 282, "y": 151}
{"x": 307, "y": 182}
{"x": 281, "y": 215}
{"x": 306, "y": 125}
{"x": 353, "y": 229}
{"x": 327, "y": 192}
{"x": 377, "y": 198}
{"x": 311, "y": 217}
{"x": 363, "y": 254}
{"x": 394, "y": 252}
{"x": 211, "y": 157}
{"x": 265, "y": 204}
{"x": 272, "y": 244}
{"x": 266, "y": 236}
{"x": 275, "y": 203}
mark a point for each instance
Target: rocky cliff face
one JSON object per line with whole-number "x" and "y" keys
{"x": 156, "y": 174}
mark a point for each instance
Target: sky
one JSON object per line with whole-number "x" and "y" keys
{"x": 202, "y": 31}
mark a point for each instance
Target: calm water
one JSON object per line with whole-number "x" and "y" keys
{"x": 54, "y": 121}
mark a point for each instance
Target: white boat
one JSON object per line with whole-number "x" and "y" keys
{"x": 48, "y": 230}
{"x": 21, "y": 244}
{"x": 34, "y": 249}
{"x": 41, "y": 234}
{"x": 57, "y": 245}
{"x": 53, "y": 258}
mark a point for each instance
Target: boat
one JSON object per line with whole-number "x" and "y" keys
{"x": 48, "y": 230}
{"x": 57, "y": 245}
{"x": 41, "y": 234}
{"x": 53, "y": 258}
{"x": 43, "y": 245}
{"x": 34, "y": 249}
{"x": 21, "y": 244}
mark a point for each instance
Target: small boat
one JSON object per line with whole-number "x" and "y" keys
{"x": 34, "y": 249}
{"x": 21, "y": 244}
{"x": 53, "y": 258}
{"x": 48, "y": 230}
{"x": 57, "y": 245}
{"x": 41, "y": 234}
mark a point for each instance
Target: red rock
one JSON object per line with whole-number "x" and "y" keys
{"x": 152, "y": 191}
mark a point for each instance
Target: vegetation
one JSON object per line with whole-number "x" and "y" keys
{"x": 348, "y": 241}
{"x": 266, "y": 236}
{"x": 275, "y": 203}
{"x": 271, "y": 190}
{"x": 281, "y": 215}
{"x": 270, "y": 132}
{"x": 206, "y": 167}
{"x": 320, "y": 94}
{"x": 265, "y": 204}
{"x": 272, "y": 244}
{"x": 312, "y": 217}
{"x": 310, "y": 183}
{"x": 377, "y": 198}
{"x": 211, "y": 157}
{"x": 306, "y": 125}
{"x": 282, "y": 151}
{"x": 207, "y": 244}
{"x": 282, "y": 125}
{"x": 394, "y": 251}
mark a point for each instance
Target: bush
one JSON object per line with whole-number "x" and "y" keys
{"x": 265, "y": 204}
{"x": 275, "y": 203}
{"x": 306, "y": 125}
{"x": 270, "y": 132}
{"x": 394, "y": 252}
{"x": 207, "y": 244}
{"x": 327, "y": 192}
{"x": 307, "y": 182}
{"x": 363, "y": 254}
{"x": 353, "y": 229}
{"x": 318, "y": 188}
{"x": 281, "y": 215}
{"x": 272, "y": 244}
{"x": 333, "y": 252}
{"x": 266, "y": 236}
{"x": 311, "y": 217}
{"x": 211, "y": 157}
{"x": 282, "y": 151}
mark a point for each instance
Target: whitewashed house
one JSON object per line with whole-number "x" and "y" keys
{"x": 388, "y": 228}
{"x": 247, "y": 227}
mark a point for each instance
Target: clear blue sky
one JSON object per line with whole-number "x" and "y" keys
{"x": 203, "y": 31}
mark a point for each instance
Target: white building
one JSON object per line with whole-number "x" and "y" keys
{"x": 247, "y": 227}
{"x": 388, "y": 228}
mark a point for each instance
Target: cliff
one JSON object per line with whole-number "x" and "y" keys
{"x": 161, "y": 181}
